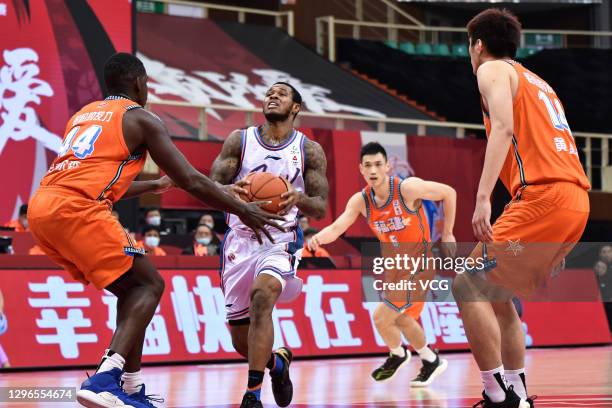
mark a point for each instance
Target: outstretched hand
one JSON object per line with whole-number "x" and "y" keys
{"x": 256, "y": 219}
{"x": 164, "y": 184}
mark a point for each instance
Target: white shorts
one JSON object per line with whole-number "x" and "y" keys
{"x": 243, "y": 259}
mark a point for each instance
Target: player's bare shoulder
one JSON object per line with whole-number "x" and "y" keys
{"x": 498, "y": 71}
{"x": 227, "y": 162}
{"x": 357, "y": 203}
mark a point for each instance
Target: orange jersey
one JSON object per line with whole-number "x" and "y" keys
{"x": 393, "y": 221}
{"x": 94, "y": 160}
{"x": 543, "y": 149}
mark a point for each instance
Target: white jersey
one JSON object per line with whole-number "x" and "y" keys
{"x": 286, "y": 160}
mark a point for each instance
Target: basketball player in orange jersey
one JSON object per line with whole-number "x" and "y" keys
{"x": 103, "y": 150}
{"x": 392, "y": 208}
{"x": 253, "y": 278}
{"x": 531, "y": 149}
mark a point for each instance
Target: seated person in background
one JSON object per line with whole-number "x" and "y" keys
{"x": 205, "y": 242}
{"x": 151, "y": 241}
{"x": 207, "y": 219}
{"x": 307, "y": 253}
{"x": 304, "y": 223}
{"x": 21, "y": 223}
{"x": 153, "y": 217}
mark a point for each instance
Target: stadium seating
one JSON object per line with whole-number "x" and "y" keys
{"x": 446, "y": 85}
{"x": 443, "y": 50}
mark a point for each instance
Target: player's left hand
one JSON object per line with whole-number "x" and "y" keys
{"x": 164, "y": 184}
{"x": 290, "y": 198}
{"x": 448, "y": 245}
{"x": 481, "y": 221}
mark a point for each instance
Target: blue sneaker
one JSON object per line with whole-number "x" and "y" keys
{"x": 102, "y": 390}
{"x": 144, "y": 399}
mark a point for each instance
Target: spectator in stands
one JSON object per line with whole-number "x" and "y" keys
{"x": 151, "y": 241}
{"x": 205, "y": 242}
{"x": 207, "y": 219}
{"x": 153, "y": 217}
{"x": 304, "y": 223}
{"x": 4, "y": 361}
{"x": 307, "y": 253}
{"x": 21, "y": 223}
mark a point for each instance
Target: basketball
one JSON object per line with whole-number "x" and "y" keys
{"x": 266, "y": 187}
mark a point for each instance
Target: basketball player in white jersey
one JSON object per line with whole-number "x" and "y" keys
{"x": 254, "y": 276}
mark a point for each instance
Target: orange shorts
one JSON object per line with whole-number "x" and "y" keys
{"x": 537, "y": 229}
{"x": 81, "y": 235}
{"x": 414, "y": 310}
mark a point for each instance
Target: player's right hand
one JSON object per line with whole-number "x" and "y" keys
{"x": 314, "y": 243}
{"x": 256, "y": 219}
{"x": 238, "y": 188}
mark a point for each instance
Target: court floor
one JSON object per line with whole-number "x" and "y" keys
{"x": 567, "y": 377}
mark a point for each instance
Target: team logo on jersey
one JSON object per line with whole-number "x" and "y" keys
{"x": 231, "y": 257}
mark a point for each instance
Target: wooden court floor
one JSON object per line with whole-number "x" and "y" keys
{"x": 567, "y": 377}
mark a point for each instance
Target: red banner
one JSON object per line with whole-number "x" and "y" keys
{"x": 51, "y": 59}
{"x": 53, "y": 321}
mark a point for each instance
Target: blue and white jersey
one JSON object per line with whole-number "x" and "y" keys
{"x": 286, "y": 160}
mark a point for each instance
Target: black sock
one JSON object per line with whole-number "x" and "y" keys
{"x": 254, "y": 384}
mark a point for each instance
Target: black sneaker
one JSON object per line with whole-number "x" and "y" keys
{"x": 429, "y": 371}
{"x": 250, "y": 401}
{"x": 512, "y": 401}
{"x": 530, "y": 401}
{"x": 282, "y": 387}
{"x": 393, "y": 363}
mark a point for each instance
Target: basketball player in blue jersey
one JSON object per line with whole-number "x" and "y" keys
{"x": 254, "y": 277}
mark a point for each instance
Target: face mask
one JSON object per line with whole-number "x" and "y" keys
{"x": 155, "y": 220}
{"x": 204, "y": 241}
{"x": 151, "y": 241}
{"x": 209, "y": 225}
{"x": 24, "y": 223}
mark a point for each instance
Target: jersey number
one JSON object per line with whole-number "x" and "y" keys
{"x": 555, "y": 111}
{"x": 83, "y": 145}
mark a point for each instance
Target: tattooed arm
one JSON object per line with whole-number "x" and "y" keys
{"x": 226, "y": 164}
{"x": 314, "y": 201}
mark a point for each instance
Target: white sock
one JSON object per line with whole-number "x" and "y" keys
{"x": 111, "y": 361}
{"x": 426, "y": 354}
{"x": 514, "y": 377}
{"x": 132, "y": 382}
{"x": 494, "y": 384}
{"x": 398, "y": 351}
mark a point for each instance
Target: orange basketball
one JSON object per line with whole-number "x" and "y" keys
{"x": 266, "y": 187}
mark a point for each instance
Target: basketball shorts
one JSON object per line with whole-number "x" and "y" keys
{"x": 537, "y": 229}
{"x": 243, "y": 259}
{"x": 414, "y": 310}
{"x": 81, "y": 235}
{"x": 409, "y": 291}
